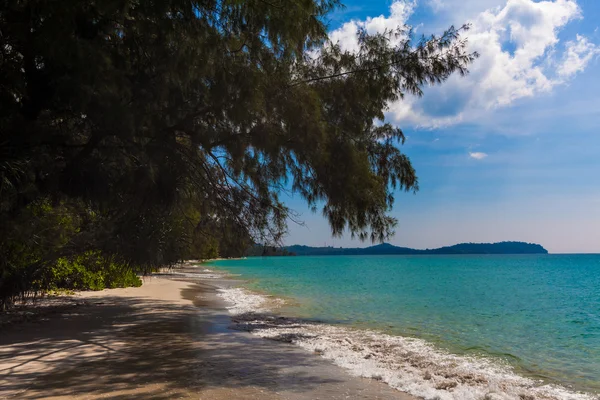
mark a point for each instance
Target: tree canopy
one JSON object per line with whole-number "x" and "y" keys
{"x": 160, "y": 126}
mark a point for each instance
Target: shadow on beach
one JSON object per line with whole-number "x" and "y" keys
{"x": 118, "y": 347}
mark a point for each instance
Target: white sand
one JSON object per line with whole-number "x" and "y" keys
{"x": 167, "y": 339}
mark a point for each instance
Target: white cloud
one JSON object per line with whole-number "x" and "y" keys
{"x": 577, "y": 56}
{"x": 520, "y": 57}
{"x": 458, "y": 11}
{"x": 478, "y": 155}
{"x": 437, "y": 5}
{"x": 346, "y": 35}
{"x": 531, "y": 29}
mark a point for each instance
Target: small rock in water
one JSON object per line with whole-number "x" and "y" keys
{"x": 446, "y": 385}
{"x": 526, "y": 397}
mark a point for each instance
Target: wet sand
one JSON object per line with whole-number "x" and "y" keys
{"x": 167, "y": 339}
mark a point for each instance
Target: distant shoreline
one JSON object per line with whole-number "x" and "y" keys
{"x": 507, "y": 248}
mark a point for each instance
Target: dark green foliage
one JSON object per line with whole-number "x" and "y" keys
{"x": 259, "y": 250}
{"x": 48, "y": 247}
{"x": 29, "y": 246}
{"x": 89, "y": 271}
{"x": 212, "y": 238}
{"x": 163, "y": 124}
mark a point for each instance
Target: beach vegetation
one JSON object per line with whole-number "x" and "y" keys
{"x": 151, "y": 131}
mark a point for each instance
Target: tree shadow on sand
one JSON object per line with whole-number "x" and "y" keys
{"x": 108, "y": 348}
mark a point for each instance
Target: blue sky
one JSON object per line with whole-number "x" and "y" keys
{"x": 510, "y": 152}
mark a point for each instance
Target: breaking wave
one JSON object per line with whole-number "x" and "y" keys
{"x": 408, "y": 364}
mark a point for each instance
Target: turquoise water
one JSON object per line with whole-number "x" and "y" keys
{"x": 540, "y": 313}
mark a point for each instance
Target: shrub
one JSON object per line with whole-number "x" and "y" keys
{"x": 90, "y": 271}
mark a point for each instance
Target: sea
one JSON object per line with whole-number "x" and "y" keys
{"x": 439, "y": 327}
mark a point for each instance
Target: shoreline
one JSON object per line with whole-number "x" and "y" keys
{"x": 408, "y": 364}
{"x": 169, "y": 338}
{"x": 193, "y": 312}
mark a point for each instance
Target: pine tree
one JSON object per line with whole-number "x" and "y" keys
{"x": 137, "y": 111}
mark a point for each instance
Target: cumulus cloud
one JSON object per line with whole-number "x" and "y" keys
{"x": 578, "y": 54}
{"x": 520, "y": 57}
{"x": 347, "y": 34}
{"x": 478, "y": 155}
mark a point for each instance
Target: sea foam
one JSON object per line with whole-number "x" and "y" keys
{"x": 408, "y": 364}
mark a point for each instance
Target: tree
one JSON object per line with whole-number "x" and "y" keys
{"x": 133, "y": 110}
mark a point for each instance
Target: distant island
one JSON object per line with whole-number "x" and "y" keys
{"x": 389, "y": 249}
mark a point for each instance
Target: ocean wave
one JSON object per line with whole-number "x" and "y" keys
{"x": 408, "y": 364}
{"x": 196, "y": 275}
{"x": 243, "y": 302}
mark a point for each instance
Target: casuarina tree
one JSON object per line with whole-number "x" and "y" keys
{"x": 143, "y": 118}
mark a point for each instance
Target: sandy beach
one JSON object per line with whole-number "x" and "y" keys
{"x": 168, "y": 339}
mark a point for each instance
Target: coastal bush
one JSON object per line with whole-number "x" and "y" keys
{"x": 73, "y": 274}
{"x": 42, "y": 252}
{"x": 118, "y": 276}
{"x": 89, "y": 271}
{"x": 29, "y": 247}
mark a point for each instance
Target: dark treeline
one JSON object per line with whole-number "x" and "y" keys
{"x": 386, "y": 248}
{"x": 136, "y": 134}
{"x": 259, "y": 250}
